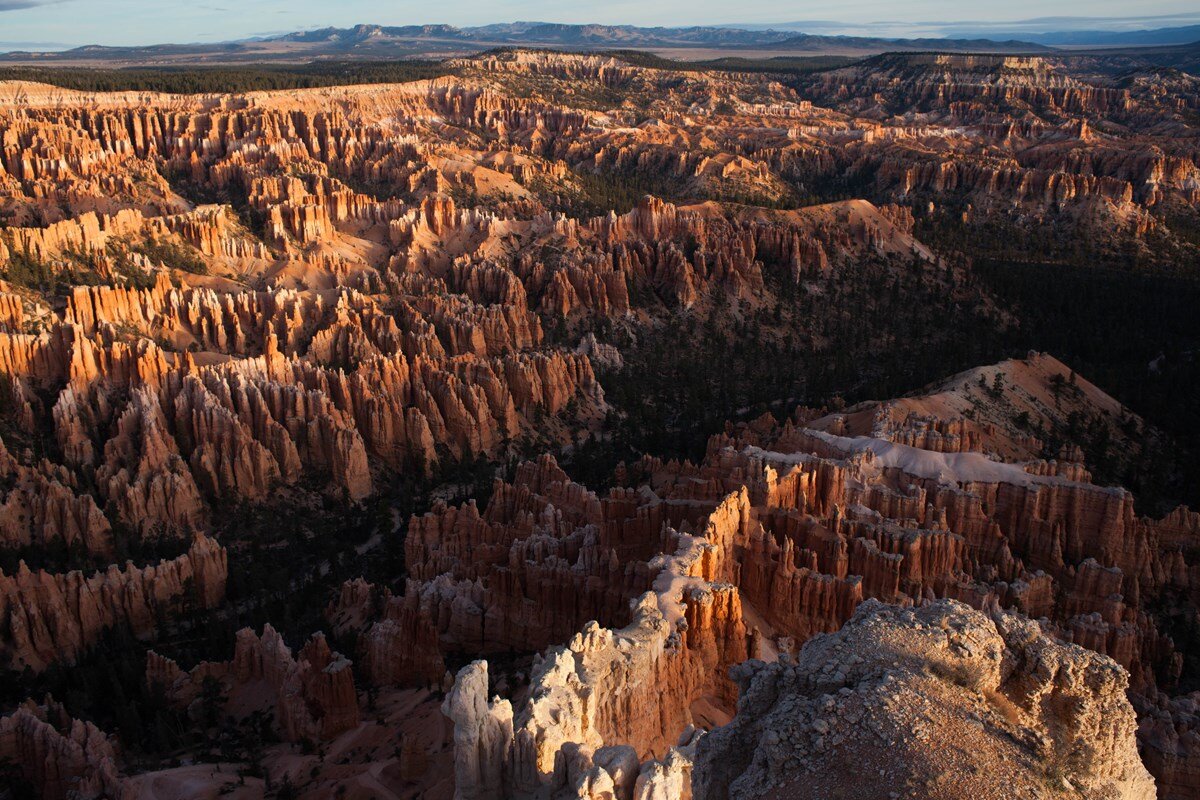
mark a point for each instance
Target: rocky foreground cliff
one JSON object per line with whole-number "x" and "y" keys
{"x": 939, "y": 702}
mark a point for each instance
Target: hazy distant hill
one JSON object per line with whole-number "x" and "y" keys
{"x": 1159, "y": 36}
{"x": 1050, "y": 32}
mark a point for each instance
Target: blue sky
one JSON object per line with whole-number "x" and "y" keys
{"x": 47, "y": 23}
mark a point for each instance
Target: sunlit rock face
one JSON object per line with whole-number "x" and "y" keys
{"x": 915, "y": 698}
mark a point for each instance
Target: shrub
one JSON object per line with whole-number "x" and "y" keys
{"x": 173, "y": 255}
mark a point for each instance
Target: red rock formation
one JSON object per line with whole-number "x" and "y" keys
{"x": 399, "y": 644}
{"x": 1169, "y": 739}
{"x": 39, "y": 510}
{"x": 673, "y": 654}
{"x": 313, "y": 694}
{"x": 792, "y": 528}
{"x": 415, "y": 290}
{"x": 526, "y": 573}
{"x": 53, "y": 618}
{"x": 62, "y": 758}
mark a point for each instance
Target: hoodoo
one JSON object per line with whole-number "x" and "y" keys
{"x": 816, "y": 420}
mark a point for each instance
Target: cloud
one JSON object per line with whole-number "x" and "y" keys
{"x": 18, "y": 5}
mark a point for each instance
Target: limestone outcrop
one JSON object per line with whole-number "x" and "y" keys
{"x": 903, "y": 701}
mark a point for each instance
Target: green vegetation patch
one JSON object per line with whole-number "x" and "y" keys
{"x": 229, "y": 79}
{"x": 793, "y": 65}
{"x": 173, "y": 255}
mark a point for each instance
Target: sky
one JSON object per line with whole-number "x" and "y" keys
{"x": 52, "y": 24}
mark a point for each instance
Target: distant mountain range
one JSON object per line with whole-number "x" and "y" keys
{"x": 376, "y": 41}
{"x": 544, "y": 33}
